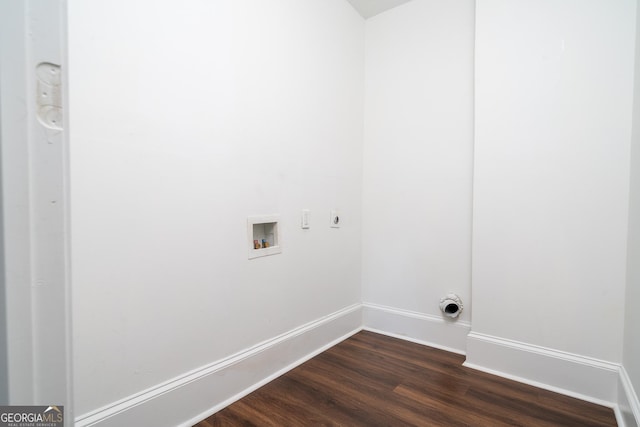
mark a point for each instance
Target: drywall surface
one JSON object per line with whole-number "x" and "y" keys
{"x": 369, "y": 8}
{"x": 631, "y": 357}
{"x": 418, "y": 156}
{"x": 186, "y": 118}
{"x": 554, "y": 90}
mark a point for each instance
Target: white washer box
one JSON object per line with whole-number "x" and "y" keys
{"x": 263, "y": 228}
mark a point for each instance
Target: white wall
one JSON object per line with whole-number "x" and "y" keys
{"x": 551, "y": 172}
{"x": 186, "y": 118}
{"x": 631, "y": 355}
{"x": 418, "y": 156}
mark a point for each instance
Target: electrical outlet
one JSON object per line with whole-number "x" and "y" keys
{"x": 335, "y": 219}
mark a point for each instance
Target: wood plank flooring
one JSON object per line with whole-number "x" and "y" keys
{"x": 374, "y": 380}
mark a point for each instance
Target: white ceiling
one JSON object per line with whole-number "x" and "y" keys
{"x": 369, "y": 8}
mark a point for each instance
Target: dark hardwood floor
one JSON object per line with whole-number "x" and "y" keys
{"x": 374, "y": 380}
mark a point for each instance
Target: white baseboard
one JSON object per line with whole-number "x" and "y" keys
{"x": 582, "y": 377}
{"x": 434, "y": 331}
{"x": 628, "y": 403}
{"x": 185, "y": 400}
{"x": 194, "y": 396}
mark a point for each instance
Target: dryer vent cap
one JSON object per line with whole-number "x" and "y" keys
{"x": 451, "y": 305}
